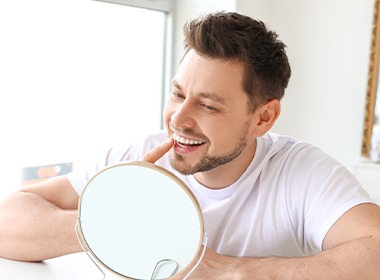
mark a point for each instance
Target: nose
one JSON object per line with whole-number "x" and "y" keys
{"x": 183, "y": 115}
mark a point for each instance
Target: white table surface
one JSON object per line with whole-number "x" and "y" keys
{"x": 70, "y": 267}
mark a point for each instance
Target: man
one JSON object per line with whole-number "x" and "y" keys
{"x": 274, "y": 208}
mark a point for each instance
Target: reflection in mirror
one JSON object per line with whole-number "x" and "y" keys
{"x": 371, "y": 130}
{"x": 139, "y": 221}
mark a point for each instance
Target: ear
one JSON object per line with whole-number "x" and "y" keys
{"x": 266, "y": 115}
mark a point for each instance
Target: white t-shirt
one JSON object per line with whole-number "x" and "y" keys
{"x": 283, "y": 205}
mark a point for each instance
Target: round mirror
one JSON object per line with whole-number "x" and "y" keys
{"x": 140, "y": 221}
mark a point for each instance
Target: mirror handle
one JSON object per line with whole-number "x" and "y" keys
{"x": 84, "y": 247}
{"x": 205, "y": 239}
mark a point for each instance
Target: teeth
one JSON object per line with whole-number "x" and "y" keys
{"x": 185, "y": 141}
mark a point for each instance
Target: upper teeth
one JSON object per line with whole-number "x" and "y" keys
{"x": 185, "y": 141}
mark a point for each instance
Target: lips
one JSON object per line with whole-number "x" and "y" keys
{"x": 187, "y": 142}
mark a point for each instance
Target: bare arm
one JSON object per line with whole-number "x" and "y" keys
{"x": 351, "y": 251}
{"x": 38, "y": 222}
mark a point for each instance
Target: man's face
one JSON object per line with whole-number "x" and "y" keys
{"x": 207, "y": 114}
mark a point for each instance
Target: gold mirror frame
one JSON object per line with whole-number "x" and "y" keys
{"x": 373, "y": 73}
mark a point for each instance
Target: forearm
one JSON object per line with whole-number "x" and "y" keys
{"x": 358, "y": 259}
{"x": 32, "y": 229}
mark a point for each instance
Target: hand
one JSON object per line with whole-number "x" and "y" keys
{"x": 156, "y": 153}
{"x": 214, "y": 266}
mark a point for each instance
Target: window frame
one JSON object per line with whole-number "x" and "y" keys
{"x": 166, "y": 6}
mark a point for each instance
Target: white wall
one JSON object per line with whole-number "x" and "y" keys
{"x": 328, "y": 47}
{"x": 189, "y": 9}
{"x": 70, "y": 80}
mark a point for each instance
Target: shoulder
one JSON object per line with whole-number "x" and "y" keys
{"x": 124, "y": 152}
{"x": 306, "y": 174}
{"x": 300, "y": 161}
{"x": 294, "y": 151}
{"x": 316, "y": 188}
{"x": 283, "y": 150}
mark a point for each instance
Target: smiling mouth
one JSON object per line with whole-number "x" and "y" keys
{"x": 186, "y": 142}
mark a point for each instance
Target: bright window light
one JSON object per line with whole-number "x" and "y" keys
{"x": 77, "y": 77}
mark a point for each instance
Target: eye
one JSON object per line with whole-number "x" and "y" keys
{"x": 209, "y": 107}
{"x": 177, "y": 95}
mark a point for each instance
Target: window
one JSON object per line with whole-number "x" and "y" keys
{"x": 77, "y": 77}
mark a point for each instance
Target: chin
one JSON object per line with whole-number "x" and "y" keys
{"x": 177, "y": 162}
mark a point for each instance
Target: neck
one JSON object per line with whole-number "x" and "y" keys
{"x": 226, "y": 174}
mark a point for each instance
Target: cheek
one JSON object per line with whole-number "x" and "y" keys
{"x": 217, "y": 131}
{"x": 166, "y": 112}
{"x": 169, "y": 110}
{"x": 227, "y": 133}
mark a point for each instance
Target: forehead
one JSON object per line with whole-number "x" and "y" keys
{"x": 201, "y": 74}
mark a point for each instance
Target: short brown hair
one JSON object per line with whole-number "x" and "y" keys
{"x": 232, "y": 36}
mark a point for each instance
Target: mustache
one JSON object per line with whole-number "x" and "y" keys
{"x": 188, "y": 132}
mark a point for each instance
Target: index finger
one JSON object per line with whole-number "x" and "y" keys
{"x": 153, "y": 155}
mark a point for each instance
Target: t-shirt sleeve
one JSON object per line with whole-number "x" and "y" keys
{"x": 129, "y": 152}
{"x": 340, "y": 193}
{"x": 323, "y": 190}
{"x": 83, "y": 173}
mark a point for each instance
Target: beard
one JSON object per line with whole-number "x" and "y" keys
{"x": 207, "y": 161}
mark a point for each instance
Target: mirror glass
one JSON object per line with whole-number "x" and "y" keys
{"x": 140, "y": 221}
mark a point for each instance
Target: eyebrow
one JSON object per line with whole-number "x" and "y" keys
{"x": 208, "y": 95}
